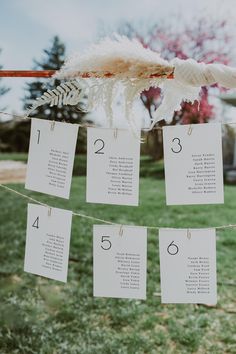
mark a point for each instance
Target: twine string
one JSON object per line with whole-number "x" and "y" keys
{"x": 89, "y": 125}
{"x": 221, "y": 227}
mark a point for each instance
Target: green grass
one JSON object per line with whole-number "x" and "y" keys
{"x": 41, "y": 316}
{"x": 148, "y": 167}
{"x": 15, "y": 156}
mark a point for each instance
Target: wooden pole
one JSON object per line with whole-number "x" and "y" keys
{"x": 27, "y": 73}
{"x": 50, "y": 73}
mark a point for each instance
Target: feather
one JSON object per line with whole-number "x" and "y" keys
{"x": 125, "y": 61}
{"x": 66, "y": 93}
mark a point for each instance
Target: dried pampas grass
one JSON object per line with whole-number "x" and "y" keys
{"x": 119, "y": 64}
{"x": 119, "y": 58}
{"x": 125, "y": 65}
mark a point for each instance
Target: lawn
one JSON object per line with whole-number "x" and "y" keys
{"x": 148, "y": 167}
{"x": 38, "y": 315}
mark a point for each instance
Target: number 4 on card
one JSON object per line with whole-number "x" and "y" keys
{"x": 47, "y": 242}
{"x": 36, "y": 223}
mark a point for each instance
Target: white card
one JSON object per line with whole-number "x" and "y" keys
{"x": 48, "y": 242}
{"x": 188, "y": 266}
{"x": 51, "y": 157}
{"x": 119, "y": 261}
{"x": 193, "y": 164}
{"x": 112, "y": 167}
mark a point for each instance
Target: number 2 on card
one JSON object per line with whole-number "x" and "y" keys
{"x": 100, "y": 144}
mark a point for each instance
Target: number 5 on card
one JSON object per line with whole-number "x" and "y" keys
{"x": 119, "y": 261}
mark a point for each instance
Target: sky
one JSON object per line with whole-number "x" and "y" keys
{"x": 27, "y": 27}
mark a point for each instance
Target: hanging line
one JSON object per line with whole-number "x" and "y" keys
{"x": 48, "y": 206}
{"x": 222, "y": 227}
{"x": 87, "y": 125}
{"x": 83, "y": 125}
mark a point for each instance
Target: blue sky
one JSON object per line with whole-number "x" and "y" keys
{"x": 27, "y": 26}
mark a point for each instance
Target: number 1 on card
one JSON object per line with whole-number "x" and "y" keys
{"x": 38, "y": 136}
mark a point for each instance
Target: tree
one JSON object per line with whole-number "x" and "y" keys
{"x": 205, "y": 41}
{"x": 53, "y": 59}
{"x": 3, "y": 89}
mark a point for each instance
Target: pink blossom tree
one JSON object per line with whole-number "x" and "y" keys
{"x": 204, "y": 41}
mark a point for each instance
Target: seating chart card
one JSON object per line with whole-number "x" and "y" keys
{"x": 188, "y": 266}
{"x": 47, "y": 242}
{"x": 119, "y": 261}
{"x": 51, "y": 157}
{"x": 193, "y": 164}
{"x": 113, "y": 158}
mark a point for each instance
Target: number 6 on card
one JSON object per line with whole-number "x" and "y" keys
{"x": 188, "y": 266}
{"x": 112, "y": 168}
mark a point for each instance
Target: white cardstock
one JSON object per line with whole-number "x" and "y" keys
{"x": 193, "y": 164}
{"x": 113, "y": 158}
{"x": 48, "y": 242}
{"x": 119, "y": 261}
{"x": 188, "y": 266}
{"x": 51, "y": 157}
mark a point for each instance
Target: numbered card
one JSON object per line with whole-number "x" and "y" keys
{"x": 112, "y": 167}
{"x": 48, "y": 242}
{"x": 188, "y": 266}
{"x": 51, "y": 157}
{"x": 193, "y": 164}
{"x": 119, "y": 261}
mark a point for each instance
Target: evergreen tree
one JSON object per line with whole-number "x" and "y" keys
{"x": 53, "y": 60}
{"x": 3, "y": 89}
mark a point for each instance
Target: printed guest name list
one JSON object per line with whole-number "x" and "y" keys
{"x": 193, "y": 164}
{"x": 112, "y": 167}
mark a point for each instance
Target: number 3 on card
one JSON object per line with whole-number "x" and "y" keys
{"x": 177, "y": 146}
